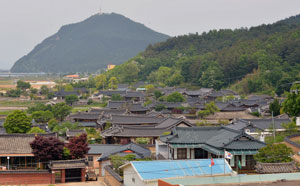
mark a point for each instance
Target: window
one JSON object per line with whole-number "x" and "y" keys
{"x": 90, "y": 158}
{"x": 133, "y": 180}
{"x": 181, "y": 153}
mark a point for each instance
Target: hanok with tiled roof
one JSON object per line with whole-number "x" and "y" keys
{"x": 127, "y": 134}
{"x": 109, "y": 93}
{"x": 206, "y": 142}
{"x": 129, "y": 149}
{"x": 259, "y": 127}
{"x": 85, "y": 117}
{"x": 136, "y": 96}
{"x": 135, "y": 120}
{"x": 137, "y": 108}
{"x": 17, "y": 147}
{"x": 124, "y": 133}
{"x": 70, "y": 133}
{"x": 117, "y": 104}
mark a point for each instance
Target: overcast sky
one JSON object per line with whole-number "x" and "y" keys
{"x": 25, "y": 23}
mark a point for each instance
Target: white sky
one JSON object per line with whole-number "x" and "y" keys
{"x": 25, "y": 23}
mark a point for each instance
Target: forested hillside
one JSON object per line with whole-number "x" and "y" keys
{"x": 259, "y": 59}
{"x": 89, "y": 45}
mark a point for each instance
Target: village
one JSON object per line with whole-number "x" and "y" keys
{"x": 145, "y": 134}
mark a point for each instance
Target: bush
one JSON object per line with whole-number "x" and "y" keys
{"x": 275, "y": 153}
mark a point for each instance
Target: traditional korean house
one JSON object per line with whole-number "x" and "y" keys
{"x": 123, "y": 134}
{"x": 137, "y": 108}
{"x": 207, "y": 142}
{"x": 133, "y": 149}
{"x": 135, "y": 96}
{"x": 259, "y": 127}
{"x": 15, "y": 151}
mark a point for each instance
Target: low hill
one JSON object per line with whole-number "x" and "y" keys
{"x": 89, "y": 45}
{"x": 263, "y": 59}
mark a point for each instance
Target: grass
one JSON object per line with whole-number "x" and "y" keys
{"x": 5, "y": 112}
{"x": 19, "y": 103}
{"x": 79, "y": 109}
{"x": 278, "y": 138}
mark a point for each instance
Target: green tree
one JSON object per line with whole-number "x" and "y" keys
{"x": 70, "y": 99}
{"x": 68, "y": 88}
{"x": 175, "y": 79}
{"x": 13, "y": 93}
{"x": 291, "y": 105}
{"x": 61, "y": 110}
{"x": 157, "y": 94}
{"x": 291, "y": 127}
{"x": 150, "y": 88}
{"x": 44, "y": 90}
{"x": 36, "y": 130}
{"x": 52, "y": 124}
{"x": 163, "y": 73}
{"x": 275, "y": 107}
{"x": 62, "y": 128}
{"x": 275, "y": 153}
{"x": 116, "y": 97}
{"x": 100, "y": 81}
{"x": 42, "y": 116}
{"x": 175, "y": 97}
{"x": 211, "y": 107}
{"x": 33, "y": 90}
{"x": 160, "y": 107}
{"x": 142, "y": 140}
{"x": 23, "y": 85}
{"x": 17, "y": 122}
{"x": 39, "y": 107}
{"x": 113, "y": 83}
{"x": 203, "y": 113}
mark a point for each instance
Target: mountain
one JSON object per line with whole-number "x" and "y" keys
{"x": 262, "y": 59}
{"x": 89, "y": 45}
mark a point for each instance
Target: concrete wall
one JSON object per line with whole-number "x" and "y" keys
{"x": 26, "y": 177}
{"x": 131, "y": 178}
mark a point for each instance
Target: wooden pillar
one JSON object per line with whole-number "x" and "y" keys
{"x": 83, "y": 174}
{"x": 192, "y": 153}
{"x": 63, "y": 176}
{"x": 175, "y": 153}
{"x": 188, "y": 155}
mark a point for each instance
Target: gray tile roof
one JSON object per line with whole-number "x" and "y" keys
{"x": 137, "y": 107}
{"x": 134, "y": 94}
{"x": 139, "y": 151}
{"x": 116, "y": 104}
{"x": 254, "y": 124}
{"x": 74, "y": 132}
{"x": 169, "y": 104}
{"x": 101, "y": 148}
{"x": 18, "y": 143}
{"x": 133, "y": 132}
{"x": 218, "y": 137}
{"x": 68, "y": 164}
{"x": 85, "y": 115}
{"x": 271, "y": 168}
{"x": 134, "y": 120}
{"x": 172, "y": 122}
{"x": 111, "y": 92}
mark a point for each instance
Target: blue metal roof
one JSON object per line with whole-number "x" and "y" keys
{"x": 149, "y": 170}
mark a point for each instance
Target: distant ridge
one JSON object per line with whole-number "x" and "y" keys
{"x": 89, "y": 45}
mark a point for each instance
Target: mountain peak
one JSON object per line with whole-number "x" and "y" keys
{"x": 89, "y": 45}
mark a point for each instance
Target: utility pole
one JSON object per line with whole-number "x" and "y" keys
{"x": 273, "y": 126}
